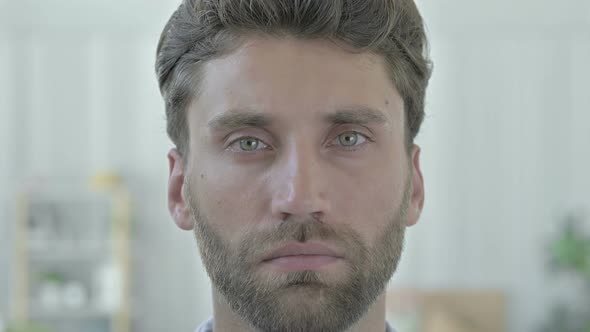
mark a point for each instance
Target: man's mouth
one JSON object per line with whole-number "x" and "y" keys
{"x": 298, "y": 256}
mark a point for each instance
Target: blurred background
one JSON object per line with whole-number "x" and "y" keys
{"x": 86, "y": 242}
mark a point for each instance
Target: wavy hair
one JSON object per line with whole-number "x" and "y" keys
{"x": 200, "y": 30}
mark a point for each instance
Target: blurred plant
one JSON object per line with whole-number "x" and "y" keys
{"x": 570, "y": 253}
{"x": 53, "y": 277}
{"x": 571, "y": 250}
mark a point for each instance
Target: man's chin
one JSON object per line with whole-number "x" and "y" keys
{"x": 306, "y": 297}
{"x": 330, "y": 274}
{"x": 301, "y": 287}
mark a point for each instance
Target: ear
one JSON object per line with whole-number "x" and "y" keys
{"x": 177, "y": 205}
{"x": 417, "y": 194}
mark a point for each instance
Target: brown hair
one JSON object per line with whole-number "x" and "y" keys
{"x": 203, "y": 29}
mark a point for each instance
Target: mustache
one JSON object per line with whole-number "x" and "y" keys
{"x": 257, "y": 243}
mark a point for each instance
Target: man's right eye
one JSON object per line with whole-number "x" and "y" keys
{"x": 247, "y": 144}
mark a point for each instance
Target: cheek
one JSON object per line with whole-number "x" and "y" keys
{"x": 230, "y": 198}
{"x": 368, "y": 201}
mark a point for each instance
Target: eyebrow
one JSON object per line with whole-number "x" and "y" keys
{"x": 236, "y": 119}
{"x": 356, "y": 115}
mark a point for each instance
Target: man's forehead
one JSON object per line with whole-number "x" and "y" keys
{"x": 259, "y": 54}
{"x": 260, "y": 45}
{"x": 328, "y": 84}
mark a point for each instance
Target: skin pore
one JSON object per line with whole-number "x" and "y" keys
{"x": 297, "y": 141}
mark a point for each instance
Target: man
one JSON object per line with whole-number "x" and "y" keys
{"x": 294, "y": 165}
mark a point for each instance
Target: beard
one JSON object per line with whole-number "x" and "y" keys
{"x": 304, "y": 300}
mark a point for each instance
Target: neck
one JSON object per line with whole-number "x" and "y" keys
{"x": 225, "y": 320}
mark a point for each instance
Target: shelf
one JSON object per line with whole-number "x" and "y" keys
{"x": 67, "y": 234}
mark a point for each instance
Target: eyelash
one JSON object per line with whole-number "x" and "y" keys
{"x": 265, "y": 146}
{"x": 240, "y": 139}
{"x": 352, "y": 147}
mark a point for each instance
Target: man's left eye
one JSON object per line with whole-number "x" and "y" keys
{"x": 350, "y": 139}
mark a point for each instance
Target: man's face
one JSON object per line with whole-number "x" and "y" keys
{"x": 298, "y": 185}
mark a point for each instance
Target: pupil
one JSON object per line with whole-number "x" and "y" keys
{"x": 249, "y": 144}
{"x": 348, "y": 139}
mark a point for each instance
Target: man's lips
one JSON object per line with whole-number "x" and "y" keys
{"x": 302, "y": 256}
{"x": 302, "y": 249}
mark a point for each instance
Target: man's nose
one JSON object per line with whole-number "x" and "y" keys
{"x": 299, "y": 186}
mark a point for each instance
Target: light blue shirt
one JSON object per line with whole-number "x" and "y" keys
{"x": 207, "y": 326}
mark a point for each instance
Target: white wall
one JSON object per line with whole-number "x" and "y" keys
{"x": 505, "y": 143}
{"x": 506, "y": 147}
